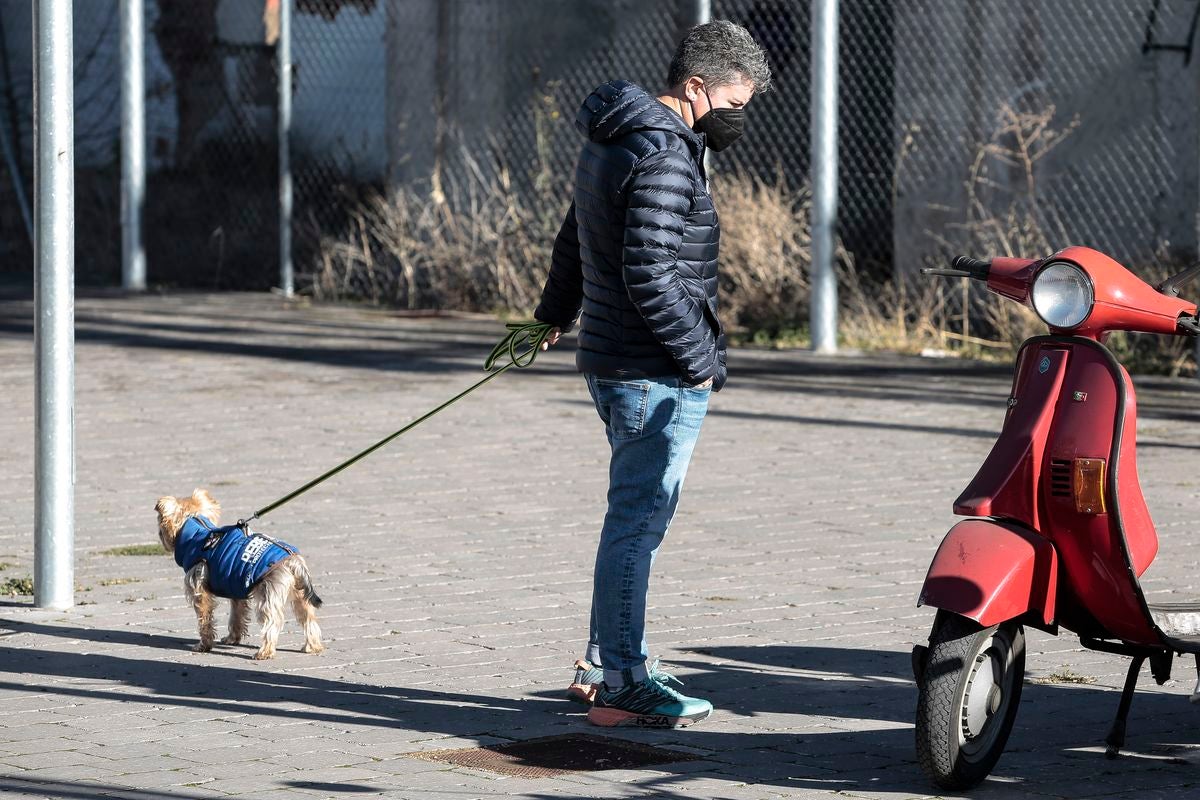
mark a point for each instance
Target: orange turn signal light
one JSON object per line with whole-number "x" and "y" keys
{"x": 1088, "y": 485}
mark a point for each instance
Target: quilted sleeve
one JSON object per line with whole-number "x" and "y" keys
{"x": 660, "y": 194}
{"x": 562, "y": 295}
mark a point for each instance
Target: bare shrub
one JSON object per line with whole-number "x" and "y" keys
{"x": 1005, "y": 218}
{"x": 897, "y": 315}
{"x": 480, "y": 248}
{"x": 486, "y": 247}
{"x": 765, "y": 253}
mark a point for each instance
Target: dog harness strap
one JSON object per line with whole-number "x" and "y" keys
{"x": 533, "y": 334}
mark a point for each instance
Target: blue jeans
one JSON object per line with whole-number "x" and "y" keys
{"x": 652, "y": 426}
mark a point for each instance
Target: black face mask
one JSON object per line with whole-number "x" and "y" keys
{"x": 721, "y": 126}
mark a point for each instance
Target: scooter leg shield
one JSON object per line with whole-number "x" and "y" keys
{"x": 991, "y": 571}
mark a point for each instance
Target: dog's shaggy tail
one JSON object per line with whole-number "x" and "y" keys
{"x": 310, "y": 594}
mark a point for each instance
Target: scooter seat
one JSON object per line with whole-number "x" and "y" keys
{"x": 1177, "y": 620}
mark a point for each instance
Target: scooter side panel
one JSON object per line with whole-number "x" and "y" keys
{"x": 992, "y": 571}
{"x": 1140, "y": 534}
{"x": 1091, "y": 550}
{"x": 1007, "y": 483}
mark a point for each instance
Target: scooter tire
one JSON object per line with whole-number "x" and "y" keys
{"x": 964, "y": 712}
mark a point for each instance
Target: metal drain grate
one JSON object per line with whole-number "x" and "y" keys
{"x": 558, "y": 755}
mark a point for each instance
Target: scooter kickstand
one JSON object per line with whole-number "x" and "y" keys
{"x": 1195, "y": 698}
{"x": 1116, "y": 736}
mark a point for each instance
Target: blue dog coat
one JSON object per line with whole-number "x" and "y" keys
{"x": 237, "y": 559}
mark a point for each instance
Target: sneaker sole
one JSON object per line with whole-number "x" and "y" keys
{"x": 615, "y": 717}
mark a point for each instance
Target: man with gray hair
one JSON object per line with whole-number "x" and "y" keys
{"x": 638, "y": 254}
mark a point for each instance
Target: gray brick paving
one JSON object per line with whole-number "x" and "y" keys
{"x": 455, "y": 566}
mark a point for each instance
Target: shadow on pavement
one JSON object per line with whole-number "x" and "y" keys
{"x": 855, "y": 707}
{"x": 284, "y": 334}
{"x": 67, "y": 790}
{"x": 863, "y": 696}
{"x": 202, "y": 684}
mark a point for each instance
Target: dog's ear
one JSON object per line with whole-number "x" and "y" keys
{"x": 167, "y": 507}
{"x": 170, "y": 517}
{"x": 208, "y": 504}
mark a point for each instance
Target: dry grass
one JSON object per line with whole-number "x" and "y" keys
{"x": 1063, "y": 674}
{"x": 480, "y": 244}
{"x": 134, "y": 550}
{"x": 16, "y": 587}
{"x": 474, "y": 246}
{"x": 765, "y": 253}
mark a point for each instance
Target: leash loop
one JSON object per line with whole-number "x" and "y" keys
{"x": 533, "y": 334}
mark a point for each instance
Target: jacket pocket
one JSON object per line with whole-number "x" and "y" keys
{"x": 715, "y": 321}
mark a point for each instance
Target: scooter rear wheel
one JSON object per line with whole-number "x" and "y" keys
{"x": 969, "y": 692}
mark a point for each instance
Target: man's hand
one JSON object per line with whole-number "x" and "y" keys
{"x": 706, "y": 385}
{"x": 555, "y": 335}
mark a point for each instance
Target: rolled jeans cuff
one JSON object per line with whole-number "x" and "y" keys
{"x": 615, "y": 679}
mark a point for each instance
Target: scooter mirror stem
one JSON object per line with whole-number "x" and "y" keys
{"x": 1171, "y": 285}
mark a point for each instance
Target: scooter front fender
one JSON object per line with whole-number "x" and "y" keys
{"x": 992, "y": 571}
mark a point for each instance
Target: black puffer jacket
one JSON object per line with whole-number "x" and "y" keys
{"x": 638, "y": 248}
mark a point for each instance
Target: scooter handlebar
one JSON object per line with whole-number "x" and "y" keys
{"x": 973, "y": 266}
{"x": 963, "y": 267}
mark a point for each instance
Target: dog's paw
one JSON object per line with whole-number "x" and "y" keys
{"x": 202, "y": 647}
{"x": 313, "y": 648}
{"x": 231, "y": 639}
{"x": 263, "y": 655}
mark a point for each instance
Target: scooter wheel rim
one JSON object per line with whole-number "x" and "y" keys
{"x": 986, "y": 695}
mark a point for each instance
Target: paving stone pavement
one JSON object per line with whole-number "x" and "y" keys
{"x": 455, "y": 565}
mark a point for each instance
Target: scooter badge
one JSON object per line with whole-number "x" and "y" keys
{"x": 1044, "y": 364}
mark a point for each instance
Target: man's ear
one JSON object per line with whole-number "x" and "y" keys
{"x": 692, "y": 88}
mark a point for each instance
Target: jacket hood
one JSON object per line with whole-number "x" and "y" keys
{"x": 621, "y": 107}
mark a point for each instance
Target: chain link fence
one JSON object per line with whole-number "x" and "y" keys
{"x": 988, "y": 126}
{"x": 1041, "y": 124}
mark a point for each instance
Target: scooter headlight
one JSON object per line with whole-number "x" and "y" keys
{"x": 1062, "y": 295}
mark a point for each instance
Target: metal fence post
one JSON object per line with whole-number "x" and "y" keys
{"x": 133, "y": 143}
{"x": 283, "y": 53}
{"x": 54, "y": 301}
{"x": 824, "y": 302}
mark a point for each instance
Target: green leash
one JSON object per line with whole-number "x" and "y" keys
{"x": 530, "y": 335}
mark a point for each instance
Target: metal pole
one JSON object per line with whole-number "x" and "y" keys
{"x": 824, "y": 302}
{"x": 697, "y": 12}
{"x": 284, "y": 54}
{"x": 133, "y": 143}
{"x": 54, "y": 302}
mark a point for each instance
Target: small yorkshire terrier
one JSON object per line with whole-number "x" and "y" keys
{"x": 235, "y": 563}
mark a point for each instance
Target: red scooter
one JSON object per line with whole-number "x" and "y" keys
{"x": 1060, "y": 532}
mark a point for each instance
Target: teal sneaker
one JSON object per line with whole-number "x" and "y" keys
{"x": 587, "y": 680}
{"x": 649, "y": 704}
